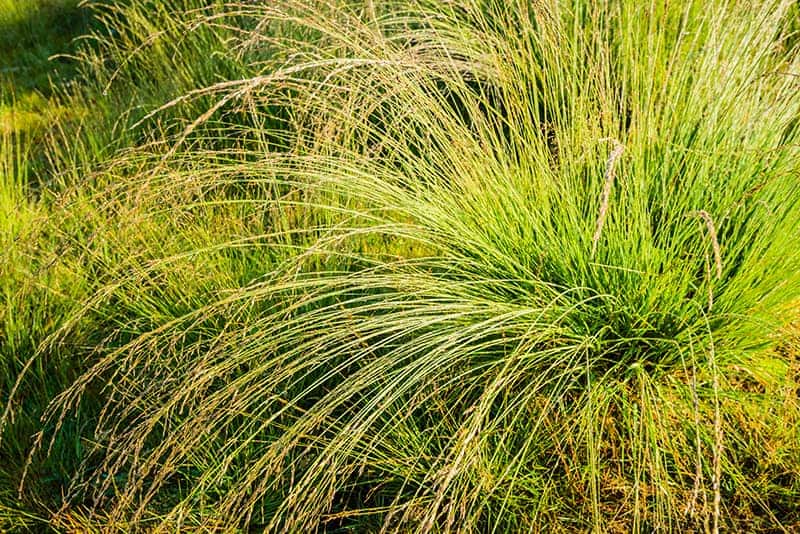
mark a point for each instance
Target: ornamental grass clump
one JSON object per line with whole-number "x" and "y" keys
{"x": 504, "y": 267}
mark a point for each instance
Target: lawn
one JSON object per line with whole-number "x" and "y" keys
{"x": 409, "y": 266}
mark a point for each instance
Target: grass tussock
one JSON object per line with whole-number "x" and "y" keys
{"x": 416, "y": 266}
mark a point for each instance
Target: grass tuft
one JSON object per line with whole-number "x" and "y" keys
{"x": 414, "y": 266}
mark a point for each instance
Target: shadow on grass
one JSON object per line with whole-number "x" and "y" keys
{"x": 31, "y": 33}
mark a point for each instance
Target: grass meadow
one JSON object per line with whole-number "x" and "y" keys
{"x": 436, "y": 266}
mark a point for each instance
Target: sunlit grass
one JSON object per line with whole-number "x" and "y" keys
{"x": 415, "y": 266}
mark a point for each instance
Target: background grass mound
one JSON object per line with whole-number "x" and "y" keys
{"x": 418, "y": 266}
